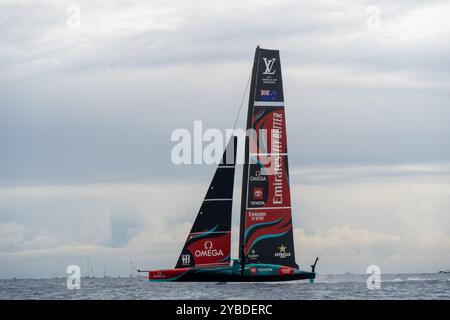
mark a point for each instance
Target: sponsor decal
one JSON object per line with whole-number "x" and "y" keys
{"x": 253, "y": 270}
{"x": 252, "y": 255}
{"x": 277, "y": 132}
{"x": 285, "y": 270}
{"x": 208, "y": 251}
{"x": 269, "y": 65}
{"x": 277, "y": 161}
{"x": 257, "y": 199}
{"x": 185, "y": 259}
{"x": 278, "y": 180}
{"x": 258, "y": 177}
{"x": 158, "y": 275}
{"x": 282, "y": 253}
{"x": 269, "y": 95}
{"x": 258, "y": 193}
{"x": 265, "y": 270}
{"x": 257, "y": 216}
{"x": 269, "y": 71}
{"x": 258, "y": 203}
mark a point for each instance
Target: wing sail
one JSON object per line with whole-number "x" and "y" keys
{"x": 266, "y": 219}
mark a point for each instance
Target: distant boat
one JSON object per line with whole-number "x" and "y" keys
{"x": 444, "y": 271}
{"x": 89, "y": 269}
{"x": 266, "y": 238}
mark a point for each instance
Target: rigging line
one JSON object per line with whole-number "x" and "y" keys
{"x": 242, "y": 101}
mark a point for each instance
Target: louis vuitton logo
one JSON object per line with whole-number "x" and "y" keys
{"x": 269, "y": 65}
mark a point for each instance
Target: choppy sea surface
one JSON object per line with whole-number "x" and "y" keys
{"x": 346, "y": 286}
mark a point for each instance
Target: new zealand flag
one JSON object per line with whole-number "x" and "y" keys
{"x": 269, "y": 95}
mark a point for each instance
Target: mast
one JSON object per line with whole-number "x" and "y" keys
{"x": 245, "y": 171}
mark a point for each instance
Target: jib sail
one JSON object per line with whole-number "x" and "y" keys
{"x": 266, "y": 220}
{"x": 209, "y": 242}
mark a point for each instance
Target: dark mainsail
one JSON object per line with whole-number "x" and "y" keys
{"x": 266, "y": 220}
{"x": 209, "y": 241}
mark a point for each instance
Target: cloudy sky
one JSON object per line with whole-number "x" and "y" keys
{"x": 90, "y": 92}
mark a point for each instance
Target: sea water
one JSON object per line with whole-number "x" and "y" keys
{"x": 347, "y": 286}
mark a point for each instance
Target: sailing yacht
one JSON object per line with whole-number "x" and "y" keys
{"x": 266, "y": 244}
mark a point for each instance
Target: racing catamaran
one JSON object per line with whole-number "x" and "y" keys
{"x": 266, "y": 244}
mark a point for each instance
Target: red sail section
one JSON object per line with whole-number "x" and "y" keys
{"x": 267, "y": 234}
{"x": 211, "y": 251}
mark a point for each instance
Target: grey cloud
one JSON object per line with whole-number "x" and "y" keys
{"x": 315, "y": 32}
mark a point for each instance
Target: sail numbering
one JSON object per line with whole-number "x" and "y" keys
{"x": 266, "y": 242}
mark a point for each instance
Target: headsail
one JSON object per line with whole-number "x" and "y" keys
{"x": 209, "y": 241}
{"x": 266, "y": 220}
